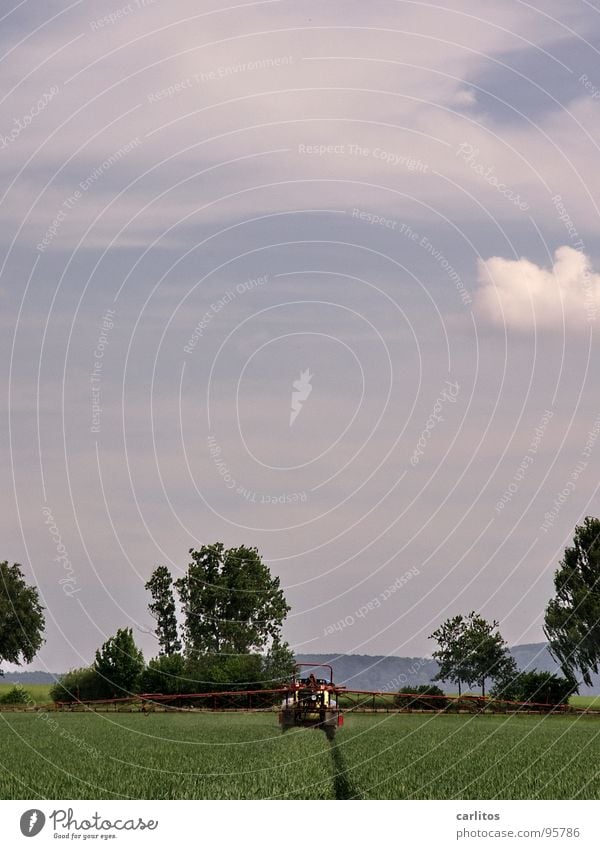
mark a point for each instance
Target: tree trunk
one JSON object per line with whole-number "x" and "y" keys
{"x": 483, "y": 687}
{"x": 459, "y": 689}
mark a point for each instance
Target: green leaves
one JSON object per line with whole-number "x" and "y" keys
{"x": 120, "y": 663}
{"x": 162, "y": 609}
{"x": 21, "y": 616}
{"x": 572, "y": 621}
{"x": 471, "y": 650}
{"x": 231, "y": 602}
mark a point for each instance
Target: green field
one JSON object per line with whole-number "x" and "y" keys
{"x": 244, "y": 756}
{"x": 40, "y": 693}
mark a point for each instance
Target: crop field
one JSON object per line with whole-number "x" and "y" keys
{"x": 245, "y": 756}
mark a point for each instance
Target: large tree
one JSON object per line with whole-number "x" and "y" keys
{"x": 486, "y": 652}
{"x": 120, "y": 663}
{"x": 162, "y": 608}
{"x": 572, "y": 621}
{"x": 450, "y": 654}
{"x": 21, "y": 618}
{"x": 231, "y": 602}
{"x": 471, "y": 650}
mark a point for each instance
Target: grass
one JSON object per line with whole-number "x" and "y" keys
{"x": 245, "y": 756}
{"x": 585, "y": 702}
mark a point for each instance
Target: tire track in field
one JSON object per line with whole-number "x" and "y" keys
{"x": 343, "y": 786}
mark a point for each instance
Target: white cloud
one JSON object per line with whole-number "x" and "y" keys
{"x": 522, "y": 295}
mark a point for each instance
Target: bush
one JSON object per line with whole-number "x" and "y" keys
{"x": 15, "y": 696}
{"x": 536, "y": 688}
{"x": 415, "y": 698}
{"x": 84, "y": 684}
{"x": 165, "y": 674}
{"x": 214, "y": 673}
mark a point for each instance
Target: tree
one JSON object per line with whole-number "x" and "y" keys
{"x": 421, "y": 697}
{"x": 279, "y": 664}
{"x": 21, "y": 618}
{"x": 471, "y": 650}
{"x": 162, "y": 608}
{"x": 450, "y": 655}
{"x": 572, "y": 620}
{"x": 537, "y": 688}
{"x": 166, "y": 673}
{"x": 119, "y": 662}
{"x": 82, "y": 684}
{"x": 231, "y": 602}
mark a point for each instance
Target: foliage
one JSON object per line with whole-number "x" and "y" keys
{"x": 21, "y": 617}
{"x": 15, "y": 696}
{"x": 243, "y": 756}
{"x": 231, "y": 603}
{"x": 213, "y": 673}
{"x": 165, "y": 674}
{"x": 471, "y": 650}
{"x": 120, "y": 663}
{"x": 450, "y": 654}
{"x": 572, "y": 621}
{"x": 84, "y": 684}
{"x": 535, "y": 687}
{"x": 416, "y": 698}
{"x": 162, "y": 609}
{"x": 278, "y": 665}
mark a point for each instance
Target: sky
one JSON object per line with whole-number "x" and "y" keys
{"x": 323, "y": 279}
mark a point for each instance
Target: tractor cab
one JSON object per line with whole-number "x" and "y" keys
{"x": 311, "y": 702}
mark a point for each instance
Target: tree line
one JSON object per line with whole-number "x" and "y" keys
{"x": 228, "y": 632}
{"x": 228, "y": 635}
{"x": 472, "y": 651}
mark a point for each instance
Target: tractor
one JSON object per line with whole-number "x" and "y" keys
{"x": 311, "y": 702}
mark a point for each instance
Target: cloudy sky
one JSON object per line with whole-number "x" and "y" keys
{"x": 322, "y": 278}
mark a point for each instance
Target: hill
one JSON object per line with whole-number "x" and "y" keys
{"x": 31, "y": 677}
{"x": 368, "y": 672}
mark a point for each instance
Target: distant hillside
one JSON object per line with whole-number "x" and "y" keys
{"x": 368, "y": 672}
